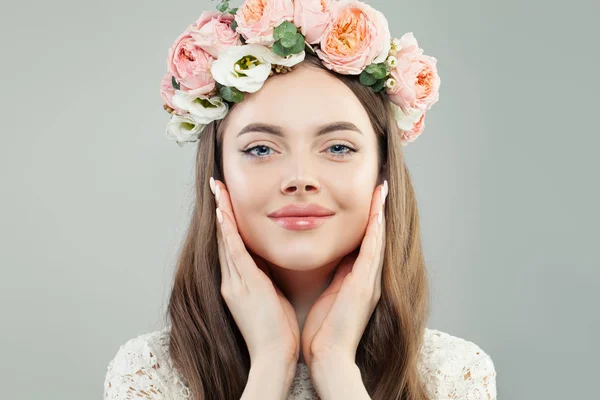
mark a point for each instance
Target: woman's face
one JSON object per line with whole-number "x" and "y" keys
{"x": 300, "y": 166}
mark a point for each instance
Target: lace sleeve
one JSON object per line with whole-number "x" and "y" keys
{"x": 132, "y": 373}
{"x": 479, "y": 380}
{"x": 453, "y": 368}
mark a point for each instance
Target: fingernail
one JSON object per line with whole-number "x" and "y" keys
{"x": 382, "y": 194}
{"x": 217, "y": 193}
{"x": 387, "y": 188}
{"x": 219, "y": 216}
{"x": 212, "y": 185}
{"x": 380, "y": 217}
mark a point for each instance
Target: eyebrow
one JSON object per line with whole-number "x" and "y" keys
{"x": 276, "y": 130}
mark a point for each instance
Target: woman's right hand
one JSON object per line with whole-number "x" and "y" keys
{"x": 261, "y": 311}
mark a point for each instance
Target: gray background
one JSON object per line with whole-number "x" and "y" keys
{"x": 94, "y": 200}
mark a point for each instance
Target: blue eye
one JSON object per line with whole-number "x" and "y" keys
{"x": 338, "y": 146}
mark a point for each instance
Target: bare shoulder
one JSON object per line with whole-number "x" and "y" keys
{"x": 452, "y": 365}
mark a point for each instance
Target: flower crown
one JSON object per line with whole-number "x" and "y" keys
{"x": 228, "y": 53}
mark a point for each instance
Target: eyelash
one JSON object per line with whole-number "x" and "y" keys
{"x": 349, "y": 153}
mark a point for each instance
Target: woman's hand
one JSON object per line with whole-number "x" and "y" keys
{"x": 337, "y": 320}
{"x": 263, "y": 314}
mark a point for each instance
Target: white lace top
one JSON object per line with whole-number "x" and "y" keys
{"x": 451, "y": 367}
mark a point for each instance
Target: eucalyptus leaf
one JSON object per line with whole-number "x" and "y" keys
{"x": 283, "y": 28}
{"x": 231, "y": 94}
{"x": 233, "y": 11}
{"x": 222, "y": 7}
{"x": 288, "y": 39}
{"x": 280, "y": 50}
{"x": 367, "y": 79}
{"x": 174, "y": 83}
{"x": 233, "y": 25}
{"x": 378, "y": 85}
{"x": 299, "y": 46}
{"x": 370, "y": 68}
{"x": 380, "y": 71}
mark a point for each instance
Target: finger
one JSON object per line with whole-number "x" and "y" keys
{"x": 223, "y": 206}
{"x": 228, "y": 270}
{"x": 378, "y": 266}
{"x": 236, "y": 250}
{"x": 368, "y": 250}
{"x": 223, "y": 200}
{"x": 370, "y": 245}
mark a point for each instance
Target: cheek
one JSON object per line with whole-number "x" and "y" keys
{"x": 249, "y": 193}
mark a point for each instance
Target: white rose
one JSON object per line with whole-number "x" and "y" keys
{"x": 406, "y": 121}
{"x": 247, "y": 67}
{"x": 183, "y": 128}
{"x": 204, "y": 110}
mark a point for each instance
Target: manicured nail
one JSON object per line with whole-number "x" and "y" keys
{"x": 212, "y": 185}
{"x": 380, "y": 217}
{"x": 217, "y": 193}
{"x": 219, "y": 216}
{"x": 382, "y": 194}
{"x": 387, "y": 188}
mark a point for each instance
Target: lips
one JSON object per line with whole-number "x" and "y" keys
{"x": 302, "y": 210}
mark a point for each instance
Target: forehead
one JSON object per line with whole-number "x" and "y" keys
{"x": 300, "y": 101}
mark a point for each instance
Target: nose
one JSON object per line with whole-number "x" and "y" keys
{"x": 300, "y": 175}
{"x": 300, "y": 185}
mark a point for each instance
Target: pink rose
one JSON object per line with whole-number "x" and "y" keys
{"x": 357, "y": 36}
{"x": 410, "y": 136}
{"x": 190, "y": 65}
{"x": 257, "y": 19}
{"x": 312, "y": 17}
{"x": 167, "y": 91}
{"x": 213, "y": 33}
{"x": 417, "y": 80}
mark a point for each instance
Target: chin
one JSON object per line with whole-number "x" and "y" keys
{"x": 296, "y": 257}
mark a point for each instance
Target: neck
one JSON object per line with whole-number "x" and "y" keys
{"x": 303, "y": 287}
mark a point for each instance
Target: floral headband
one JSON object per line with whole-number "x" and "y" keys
{"x": 231, "y": 52}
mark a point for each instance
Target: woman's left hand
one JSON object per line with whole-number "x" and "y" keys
{"x": 337, "y": 320}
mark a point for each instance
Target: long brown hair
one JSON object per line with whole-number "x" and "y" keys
{"x": 205, "y": 343}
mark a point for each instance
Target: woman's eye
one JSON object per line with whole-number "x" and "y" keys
{"x": 338, "y": 151}
{"x": 261, "y": 149}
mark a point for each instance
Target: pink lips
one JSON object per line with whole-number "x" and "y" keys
{"x": 301, "y": 216}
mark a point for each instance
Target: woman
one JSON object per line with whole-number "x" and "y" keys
{"x": 302, "y": 274}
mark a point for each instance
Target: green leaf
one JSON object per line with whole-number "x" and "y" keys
{"x": 280, "y": 50}
{"x": 233, "y": 11}
{"x": 378, "y": 85}
{"x": 231, "y": 94}
{"x": 380, "y": 71}
{"x": 283, "y": 28}
{"x": 288, "y": 39}
{"x": 222, "y": 7}
{"x": 174, "y": 83}
{"x": 300, "y": 42}
{"x": 370, "y": 68}
{"x": 233, "y": 25}
{"x": 366, "y": 78}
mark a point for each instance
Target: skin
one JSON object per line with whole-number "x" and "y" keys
{"x": 301, "y": 167}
